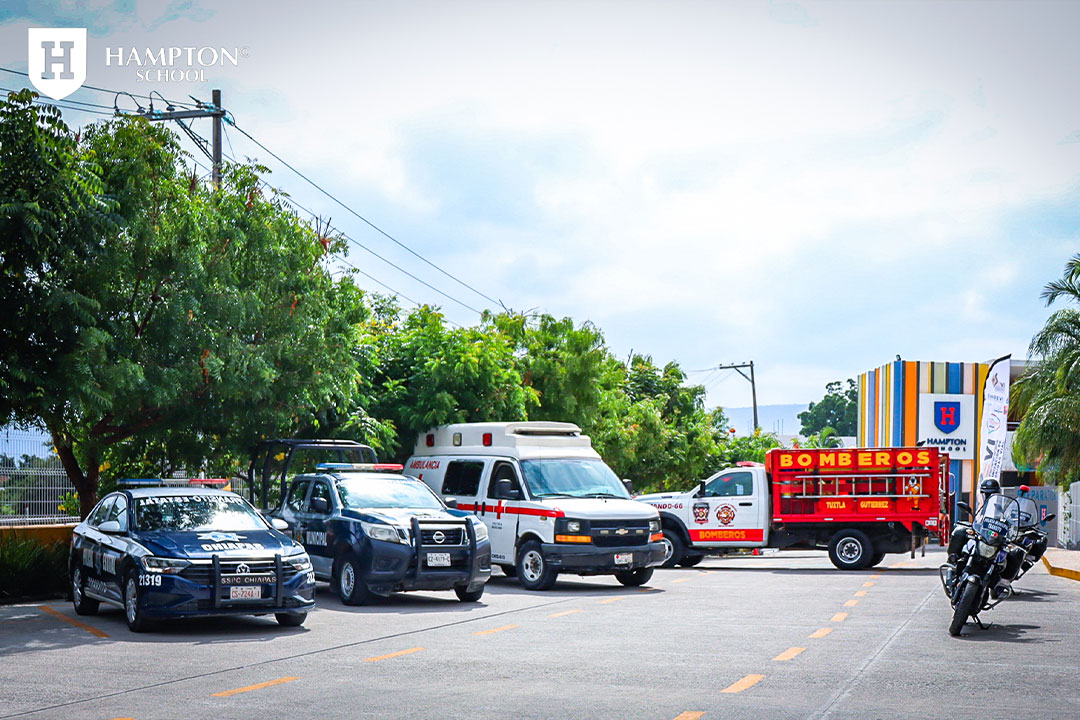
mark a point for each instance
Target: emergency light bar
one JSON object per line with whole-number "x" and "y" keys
{"x": 360, "y": 466}
{"x": 171, "y": 482}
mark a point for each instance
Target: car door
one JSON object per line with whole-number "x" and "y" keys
{"x": 499, "y": 511}
{"x": 113, "y": 548}
{"x": 732, "y": 508}
{"x": 314, "y": 526}
{"x": 90, "y": 547}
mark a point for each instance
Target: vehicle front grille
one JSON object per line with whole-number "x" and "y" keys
{"x": 620, "y": 536}
{"x": 202, "y": 572}
{"x": 450, "y": 536}
{"x": 615, "y": 524}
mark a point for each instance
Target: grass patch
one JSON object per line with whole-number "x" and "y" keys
{"x": 29, "y": 568}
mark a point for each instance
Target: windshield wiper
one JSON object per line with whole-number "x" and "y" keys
{"x": 555, "y": 494}
{"x": 604, "y": 494}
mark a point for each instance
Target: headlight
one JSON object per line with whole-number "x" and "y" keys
{"x": 654, "y": 526}
{"x": 573, "y": 526}
{"x": 169, "y": 566}
{"x": 479, "y": 529}
{"x": 299, "y": 563}
{"x": 379, "y": 531}
{"x": 987, "y": 550}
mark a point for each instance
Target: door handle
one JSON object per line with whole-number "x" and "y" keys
{"x": 745, "y": 504}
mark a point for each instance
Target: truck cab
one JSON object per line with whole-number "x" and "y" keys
{"x": 550, "y": 503}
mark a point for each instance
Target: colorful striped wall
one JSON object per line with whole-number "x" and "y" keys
{"x": 888, "y": 406}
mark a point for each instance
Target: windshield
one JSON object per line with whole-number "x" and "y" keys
{"x": 572, "y": 477}
{"x": 196, "y": 513}
{"x": 996, "y": 521}
{"x": 372, "y": 491}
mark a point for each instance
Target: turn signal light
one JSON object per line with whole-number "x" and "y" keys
{"x": 656, "y": 537}
{"x": 573, "y": 538}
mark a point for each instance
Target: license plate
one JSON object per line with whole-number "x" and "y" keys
{"x": 245, "y": 593}
{"x": 438, "y": 559}
{"x": 624, "y": 558}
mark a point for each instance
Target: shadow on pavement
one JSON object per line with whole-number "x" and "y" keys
{"x": 1002, "y": 633}
{"x": 1025, "y": 595}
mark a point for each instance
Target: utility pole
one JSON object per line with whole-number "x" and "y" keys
{"x": 213, "y": 110}
{"x": 738, "y": 367}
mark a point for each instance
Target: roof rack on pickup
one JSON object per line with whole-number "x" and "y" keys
{"x": 273, "y": 460}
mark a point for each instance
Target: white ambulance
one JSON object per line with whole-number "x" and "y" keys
{"x": 550, "y": 503}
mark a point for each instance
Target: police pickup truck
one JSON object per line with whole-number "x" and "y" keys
{"x": 369, "y": 530}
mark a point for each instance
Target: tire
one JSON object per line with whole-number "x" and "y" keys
{"x": 509, "y": 570}
{"x": 465, "y": 595}
{"x": 348, "y": 581}
{"x": 533, "y": 570}
{"x": 290, "y": 619}
{"x": 634, "y": 578}
{"x": 675, "y": 547}
{"x": 876, "y": 559}
{"x": 964, "y": 608}
{"x": 691, "y": 560}
{"x": 133, "y": 614}
{"x": 83, "y": 605}
{"x": 851, "y": 550}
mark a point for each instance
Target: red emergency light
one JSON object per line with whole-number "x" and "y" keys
{"x": 486, "y": 439}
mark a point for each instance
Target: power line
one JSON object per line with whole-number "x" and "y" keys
{"x": 62, "y": 104}
{"x": 370, "y": 224}
{"x": 105, "y": 90}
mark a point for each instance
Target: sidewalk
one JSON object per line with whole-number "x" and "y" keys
{"x": 1065, "y": 563}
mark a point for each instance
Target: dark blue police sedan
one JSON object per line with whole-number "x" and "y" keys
{"x": 159, "y": 553}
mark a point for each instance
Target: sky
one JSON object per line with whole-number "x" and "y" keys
{"x": 814, "y": 187}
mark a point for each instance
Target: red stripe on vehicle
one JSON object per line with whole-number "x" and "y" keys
{"x": 482, "y": 507}
{"x": 727, "y": 535}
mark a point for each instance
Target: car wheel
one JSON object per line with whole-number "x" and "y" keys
{"x": 83, "y": 605}
{"x": 465, "y": 595}
{"x": 533, "y": 570}
{"x": 691, "y": 560}
{"x": 133, "y": 612}
{"x": 674, "y": 548}
{"x": 290, "y": 619}
{"x": 850, "y": 550}
{"x": 350, "y": 584}
{"x": 634, "y": 578}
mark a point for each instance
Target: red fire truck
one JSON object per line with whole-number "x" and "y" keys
{"x": 858, "y": 503}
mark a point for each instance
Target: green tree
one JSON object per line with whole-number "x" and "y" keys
{"x": 836, "y": 410}
{"x": 196, "y": 319}
{"x": 1047, "y": 397}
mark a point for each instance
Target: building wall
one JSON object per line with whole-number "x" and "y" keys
{"x": 888, "y": 408}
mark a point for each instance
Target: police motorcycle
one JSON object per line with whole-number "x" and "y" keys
{"x": 1031, "y": 541}
{"x": 973, "y": 579}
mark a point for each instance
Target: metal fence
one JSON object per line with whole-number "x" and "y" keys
{"x": 1070, "y": 517}
{"x": 33, "y": 485}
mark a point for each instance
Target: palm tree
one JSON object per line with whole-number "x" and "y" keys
{"x": 1048, "y": 395}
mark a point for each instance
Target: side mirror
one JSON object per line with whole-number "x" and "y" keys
{"x": 1049, "y": 517}
{"x": 279, "y": 524}
{"x": 700, "y": 490}
{"x": 110, "y": 527}
{"x": 629, "y": 485}
{"x": 505, "y": 489}
{"x": 450, "y": 502}
{"x": 319, "y": 505}
{"x": 965, "y": 507}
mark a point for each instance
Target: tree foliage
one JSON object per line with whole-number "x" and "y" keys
{"x": 1048, "y": 395}
{"x": 837, "y": 410}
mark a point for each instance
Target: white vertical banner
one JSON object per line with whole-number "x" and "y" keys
{"x": 994, "y": 425}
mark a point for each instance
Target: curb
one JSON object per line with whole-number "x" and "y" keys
{"x": 1061, "y": 572}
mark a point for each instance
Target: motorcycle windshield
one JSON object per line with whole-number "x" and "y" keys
{"x": 1029, "y": 513}
{"x": 997, "y": 520}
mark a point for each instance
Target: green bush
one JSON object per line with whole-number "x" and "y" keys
{"x": 29, "y": 568}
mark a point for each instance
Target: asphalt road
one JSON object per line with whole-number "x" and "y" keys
{"x": 778, "y": 636}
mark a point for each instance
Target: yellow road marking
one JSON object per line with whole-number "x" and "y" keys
{"x": 682, "y": 579}
{"x": 72, "y": 621}
{"x": 902, "y": 564}
{"x": 851, "y": 603}
{"x": 399, "y": 653}
{"x": 648, "y": 589}
{"x": 123, "y": 718}
{"x": 610, "y": 600}
{"x": 875, "y": 576}
{"x": 788, "y": 654}
{"x": 565, "y": 612}
{"x": 839, "y": 617}
{"x": 868, "y": 584}
{"x": 861, "y": 593}
{"x": 495, "y": 630}
{"x": 689, "y": 715}
{"x": 259, "y": 686}
{"x": 820, "y": 633}
{"x": 747, "y": 682}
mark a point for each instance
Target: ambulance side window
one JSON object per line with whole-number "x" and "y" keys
{"x": 731, "y": 485}
{"x": 463, "y": 477}
{"x": 296, "y": 495}
{"x": 503, "y": 471}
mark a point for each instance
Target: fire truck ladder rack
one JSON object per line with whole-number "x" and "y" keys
{"x": 837, "y": 477}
